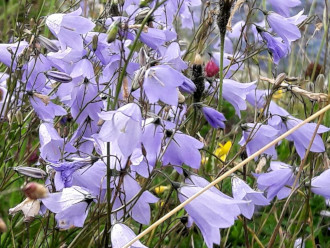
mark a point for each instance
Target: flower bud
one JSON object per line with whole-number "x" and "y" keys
{"x": 141, "y": 15}
{"x": 181, "y": 97}
{"x": 30, "y": 172}
{"x": 19, "y": 117}
{"x": 320, "y": 83}
{"x": 112, "y": 31}
{"x": 47, "y": 43}
{"x": 35, "y": 191}
{"x": 142, "y": 57}
{"x": 211, "y": 69}
{"x": 94, "y": 42}
{"x": 10, "y": 117}
{"x": 310, "y": 86}
{"x": 279, "y": 79}
{"x": 138, "y": 78}
{"x": 3, "y": 226}
{"x": 59, "y": 76}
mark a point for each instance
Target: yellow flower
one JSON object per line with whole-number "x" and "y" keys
{"x": 278, "y": 94}
{"x": 223, "y": 150}
{"x": 160, "y": 189}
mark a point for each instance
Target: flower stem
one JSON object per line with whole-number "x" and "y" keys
{"x": 214, "y": 134}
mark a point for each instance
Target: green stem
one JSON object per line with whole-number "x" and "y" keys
{"x": 219, "y": 107}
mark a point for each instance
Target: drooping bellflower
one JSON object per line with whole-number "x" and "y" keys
{"x": 71, "y": 206}
{"x": 121, "y": 235}
{"x": 260, "y": 135}
{"x": 242, "y": 191}
{"x": 321, "y": 184}
{"x": 182, "y": 149}
{"x": 213, "y": 117}
{"x": 161, "y": 82}
{"x": 283, "y": 7}
{"x": 278, "y": 181}
{"x": 68, "y": 28}
{"x": 282, "y": 27}
{"x": 276, "y": 46}
{"x": 210, "y": 211}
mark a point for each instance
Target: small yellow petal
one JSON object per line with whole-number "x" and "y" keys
{"x": 278, "y": 94}
{"x": 223, "y": 150}
{"x": 160, "y": 189}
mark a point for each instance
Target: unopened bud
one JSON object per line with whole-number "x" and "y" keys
{"x": 30, "y": 172}
{"x": 10, "y": 117}
{"x": 58, "y": 76}
{"x": 141, "y": 15}
{"x": 3, "y": 226}
{"x": 320, "y": 83}
{"x": 45, "y": 99}
{"x": 181, "y": 97}
{"x": 47, "y": 43}
{"x": 112, "y": 31}
{"x": 138, "y": 78}
{"x": 279, "y": 79}
{"x": 35, "y": 191}
{"x": 211, "y": 69}
{"x": 19, "y": 117}
{"x": 32, "y": 22}
{"x": 310, "y": 86}
{"x": 198, "y": 59}
{"x": 94, "y": 42}
{"x": 142, "y": 57}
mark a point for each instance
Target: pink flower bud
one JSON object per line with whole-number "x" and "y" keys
{"x": 211, "y": 69}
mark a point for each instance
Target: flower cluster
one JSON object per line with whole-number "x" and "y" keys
{"x": 119, "y": 101}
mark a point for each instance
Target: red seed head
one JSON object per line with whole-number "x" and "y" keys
{"x": 211, "y": 69}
